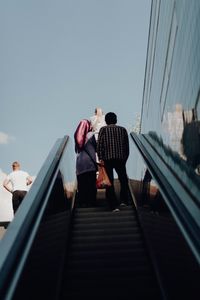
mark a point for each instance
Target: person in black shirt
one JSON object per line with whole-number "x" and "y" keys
{"x": 113, "y": 152}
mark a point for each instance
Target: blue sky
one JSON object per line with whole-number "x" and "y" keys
{"x": 61, "y": 59}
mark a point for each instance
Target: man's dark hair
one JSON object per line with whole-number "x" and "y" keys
{"x": 110, "y": 118}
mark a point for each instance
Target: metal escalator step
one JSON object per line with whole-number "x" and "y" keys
{"x": 105, "y": 239}
{"x": 106, "y": 231}
{"x": 111, "y": 225}
{"x": 90, "y": 209}
{"x": 101, "y": 209}
{"x": 143, "y": 281}
{"x": 104, "y": 214}
{"x": 106, "y": 209}
{"x": 106, "y": 261}
{"x": 114, "y": 268}
{"x": 100, "y": 247}
{"x": 106, "y": 253}
{"x": 114, "y": 218}
{"x": 126, "y": 293}
{"x": 108, "y": 272}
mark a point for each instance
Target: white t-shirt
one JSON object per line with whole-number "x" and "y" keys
{"x": 97, "y": 122}
{"x": 18, "y": 180}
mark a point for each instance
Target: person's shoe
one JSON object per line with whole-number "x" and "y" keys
{"x": 115, "y": 210}
{"x": 122, "y": 204}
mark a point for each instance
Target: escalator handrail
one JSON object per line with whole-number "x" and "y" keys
{"x": 180, "y": 202}
{"x": 16, "y": 243}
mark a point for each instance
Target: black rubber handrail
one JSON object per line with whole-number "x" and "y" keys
{"x": 16, "y": 243}
{"x": 182, "y": 206}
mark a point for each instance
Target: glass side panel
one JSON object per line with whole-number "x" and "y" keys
{"x": 68, "y": 169}
{"x": 171, "y": 109}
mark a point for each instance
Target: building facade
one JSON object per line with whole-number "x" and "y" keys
{"x": 171, "y": 96}
{"x": 168, "y": 160}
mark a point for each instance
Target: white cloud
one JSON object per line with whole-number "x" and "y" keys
{"x": 5, "y": 138}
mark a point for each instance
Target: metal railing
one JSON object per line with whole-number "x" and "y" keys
{"x": 183, "y": 204}
{"x": 16, "y": 243}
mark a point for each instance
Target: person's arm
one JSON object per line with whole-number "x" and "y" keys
{"x": 126, "y": 144}
{"x": 94, "y": 143}
{"x": 29, "y": 180}
{"x": 100, "y": 145}
{"x": 6, "y": 185}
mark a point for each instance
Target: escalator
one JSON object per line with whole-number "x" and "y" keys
{"x": 56, "y": 250}
{"x": 107, "y": 257}
{"x": 102, "y": 255}
{"x": 97, "y": 253}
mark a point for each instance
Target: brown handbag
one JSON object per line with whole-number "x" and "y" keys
{"x": 102, "y": 181}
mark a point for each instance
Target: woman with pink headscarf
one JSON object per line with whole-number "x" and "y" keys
{"x": 86, "y": 167}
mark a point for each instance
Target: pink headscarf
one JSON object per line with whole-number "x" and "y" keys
{"x": 80, "y": 134}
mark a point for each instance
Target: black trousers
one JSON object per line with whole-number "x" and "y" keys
{"x": 87, "y": 190}
{"x": 17, "y": 198}
{"x": 120, "y": 167}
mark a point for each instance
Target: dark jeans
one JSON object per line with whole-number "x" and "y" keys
{"x": 17, "y": 199}
{"x": 120, "y": 167}
{"x": 87, "y": 190}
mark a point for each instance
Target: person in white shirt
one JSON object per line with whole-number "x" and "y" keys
{"x": 97, "y": 121}
{"x": 17, "y": 183}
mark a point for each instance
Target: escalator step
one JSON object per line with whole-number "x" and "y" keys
{"x": 105, "y": 253}
{"x": 115, "y": 218}
{"x": 99, "y": 261}
{"x": 135, "y": 282}
{"x": 106, "y": 231}
{"x": 104, "y": 214}
{"x": 97, "y": 225}
{"x": 117, "y": 272}
{"x": 107, "y": 257}
{"x": 114, "y": 293}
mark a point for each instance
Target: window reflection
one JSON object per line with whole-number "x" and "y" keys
{"x": 191, "y": 140}
{"x": 182, "y": 134}
{"x": 147, "y": 194}
{"x": 173, "y": 127}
